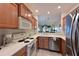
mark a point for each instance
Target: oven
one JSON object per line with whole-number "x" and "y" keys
{"x": 31, "y": 49}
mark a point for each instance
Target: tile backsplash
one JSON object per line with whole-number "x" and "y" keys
{"x": 17, "y": 33}
{"x": 24, "y": 34}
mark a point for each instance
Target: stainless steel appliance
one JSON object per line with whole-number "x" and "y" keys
{"x": 73, "y": 39}
{"x": 31, "y": 48}
{"x": 75, "y": 35}
{"x": 54, "y": 44}
{"x": 69, "y": 50}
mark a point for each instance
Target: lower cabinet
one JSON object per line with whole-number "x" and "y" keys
{"x": 63, "y": 47}
{"x": 42, "y": 42}
{"x": 46, "y": 42}
{"x": 22, "y": 52}
{"x": 37, "y": 43}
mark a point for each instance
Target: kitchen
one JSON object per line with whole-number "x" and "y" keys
{"x": 36, "y": 29}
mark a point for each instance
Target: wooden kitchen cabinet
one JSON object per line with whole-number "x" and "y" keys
{"x": 62, "y": 46}
{"x": 22, "y": 52}
{"x": 46, "y": 42}
{"x": 37, "y": 43}
{"x": 33, "y": 22}
{"x": 43, "y": 42}
{"x": 8, "y": 15}
{"x": 22, "y": 10}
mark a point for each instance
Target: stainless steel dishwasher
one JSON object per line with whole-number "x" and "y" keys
{"x": 54, "y": 44}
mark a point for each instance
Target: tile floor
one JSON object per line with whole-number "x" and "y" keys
{"x": 42, "y": 52}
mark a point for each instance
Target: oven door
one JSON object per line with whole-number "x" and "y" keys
{"x": 30, "y": 49}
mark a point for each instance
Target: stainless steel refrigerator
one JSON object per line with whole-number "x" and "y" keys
{"x": 72, "y": 37}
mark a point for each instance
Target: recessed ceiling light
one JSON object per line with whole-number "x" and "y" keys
{"x": 59, "y": 7}
{"x": 36, "y": 10}
{"x": 48, "y": 12}
{"x": 29, "y": 15}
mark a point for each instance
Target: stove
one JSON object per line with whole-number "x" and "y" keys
{"x": 31, "y": 46}
{"x": 26, "y": 41}
{"x": 21, "y": 40}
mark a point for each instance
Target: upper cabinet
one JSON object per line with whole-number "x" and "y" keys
{"x": 22, "y": 10}
{"x": 27, "y": 14}
{"x": 16, "y": 16}
{"x": 24, "y": 23}
{"x": 8, "y": 15}
{"x": 34, "y": 22}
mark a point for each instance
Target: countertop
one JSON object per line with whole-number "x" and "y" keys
{"x": 61, "y": 35}
{"x": 12, "y": 48}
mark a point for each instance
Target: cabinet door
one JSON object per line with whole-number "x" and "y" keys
{"x": 2, "y": 15}
{"x": 62, "y": 46}
{"x": 21, "y": 52}
{"x": 33, "y": 21}
{"x": 23, "y": 11}
{"x": 37, "y": 43}
{"x": 41, "y": 45}
{"x": 12, "y": 15}
{"x": 46, "y": 42}
{"x": 8, "y": 16}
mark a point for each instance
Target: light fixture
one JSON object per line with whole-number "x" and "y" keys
{"x": 59, "y": 7}
{"x": 29, "y": 15}
{"x": 48, "y": 12}
{"x": 36, "y": 10}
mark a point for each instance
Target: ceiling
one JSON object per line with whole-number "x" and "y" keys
{"x": 55, "y": 14}
{"x": 43, "y": 8}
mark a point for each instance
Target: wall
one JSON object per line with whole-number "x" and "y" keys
{"x": 49, "y": 19}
